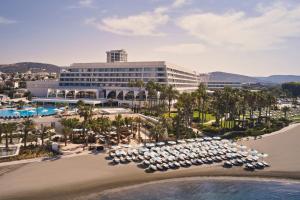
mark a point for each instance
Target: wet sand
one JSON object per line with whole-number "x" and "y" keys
{"x": 78, "y": 176}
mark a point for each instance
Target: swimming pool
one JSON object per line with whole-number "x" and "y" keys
{"x": 28, "y": 112}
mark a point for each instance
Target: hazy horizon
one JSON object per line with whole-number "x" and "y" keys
{"x": 257, "y": 38}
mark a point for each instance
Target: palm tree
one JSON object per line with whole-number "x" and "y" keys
{"x": 285, "y": 109}
{"x": 44, "y": 132}
{"x": 128, "y": 122}
{"x": 102, "y": 126}
{"x": 4, "y": 127}
{"x": 171, "y": 94}
{"x": 139, "y": 121}
{"x": 158, "y": 131}
{"x": 152, "y": 93}
{"x": 66, "y": 132}
{"x": 69, "y": 124}
{"x": 201, "y": 97}
{"x": 1, "y": 132}
{"x": 118, "y": 122}
{"x": 28, "y": 125}
{"x": 85, "y": 111}
{"x": 12, "y": 127}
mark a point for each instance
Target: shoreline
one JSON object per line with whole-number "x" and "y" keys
{"x": 82, "y": 190}
{"x": 74, "y": 177}
{"x": 205, "y": 178}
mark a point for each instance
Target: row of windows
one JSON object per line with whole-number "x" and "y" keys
{"x": 111, "y": 74}
{"x": 137, "y": 69}
{"x": 180, "y": 72}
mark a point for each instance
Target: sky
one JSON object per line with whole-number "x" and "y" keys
{"x": 253, "y": 37}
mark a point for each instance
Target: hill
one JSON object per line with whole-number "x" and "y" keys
{"x": 23, "y": 67}
{"x": 280, "y": 78}
{"x": 274, "y": 79}
{"x": 226, "y": 77}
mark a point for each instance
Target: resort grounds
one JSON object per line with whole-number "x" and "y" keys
{"x": 71, "y": 178}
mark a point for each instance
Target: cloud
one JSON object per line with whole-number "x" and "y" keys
{"x": 234, "y": 30}
{"x": 4, "y": 20}
{"x": 144, "y": 24}
{"x": 85, "y": 3}
{"x": 178, "y": 3}
{"x": 183, "y": 48}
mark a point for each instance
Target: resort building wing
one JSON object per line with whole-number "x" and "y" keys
{"x": 111, "y": 80}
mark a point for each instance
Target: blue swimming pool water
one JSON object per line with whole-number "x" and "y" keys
{"x": 28, "y": 112}
{"x": 207, "y": 190}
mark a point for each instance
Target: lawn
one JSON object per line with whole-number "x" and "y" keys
{"x": 209, "y": 116}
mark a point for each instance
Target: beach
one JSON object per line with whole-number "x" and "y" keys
{"x": 79, "y": 176}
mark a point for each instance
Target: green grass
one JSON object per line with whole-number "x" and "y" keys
{"x": 209, "y": 117}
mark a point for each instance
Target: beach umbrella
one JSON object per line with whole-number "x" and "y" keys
{"x": 160, "y": 143}
{"x": 181, "y": 141}
{"x": 171, "y": 142}
{"x": 149, "y": 145}
{"x": 190, "y": 140}
{"x": 126, "y": 145}
{"x": 253, "y": 152}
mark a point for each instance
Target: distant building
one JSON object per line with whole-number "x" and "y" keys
{"x": 213, "y": 85}
{"x": 218, "y": 84}
{"x": 116, "y": 56}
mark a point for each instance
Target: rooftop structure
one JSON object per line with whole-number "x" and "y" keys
{"x": 116, "y": 56}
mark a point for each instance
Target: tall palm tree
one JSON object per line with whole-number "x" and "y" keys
{"x": 4, "y": 127}
{"x": 12, "y": 127}
{"x": 118, "y": 122}
{"x": 85, "y": 111}
{"x": 171, "y": 94}
{"x": 70, "y": 124}
{"x": 102, "y": 126}
{"x": 43, "y": 132}
{"x": 28, "y": 125}
{"x": 158, "y": 131}
{"x": 139, "y": 122}
{"x": 152, "y": 93}
{"x": 128, "y": 122}
{"x": 200, "y": 97}
{"x": 285, "y": 110}
{"x": 1, "y": 132}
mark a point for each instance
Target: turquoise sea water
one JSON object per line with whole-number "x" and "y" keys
{"x": 210, "y": 189}
{"x": 28, "y": 112}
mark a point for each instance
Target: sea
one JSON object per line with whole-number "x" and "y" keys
{"x": 207, "y": 189}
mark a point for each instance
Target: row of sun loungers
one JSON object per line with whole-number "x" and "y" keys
{"x": 184, "y": 153}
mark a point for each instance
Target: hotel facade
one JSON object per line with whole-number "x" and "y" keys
{"x": 110, "y": 81}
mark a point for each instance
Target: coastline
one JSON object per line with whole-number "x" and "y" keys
{"x": 70, "y": 178}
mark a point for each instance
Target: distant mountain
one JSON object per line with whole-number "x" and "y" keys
{"x": 274, "y": 79}
{"x": 280, "y": 78}
{"x": 26, "y": 66}
{"x": 226, "y": 77}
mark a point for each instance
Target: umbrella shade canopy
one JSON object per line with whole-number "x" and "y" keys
{"x": 181, "y": 141}
{"x": 171, "y": 142}
{"x": 160, "y": 143}
{"x": 149, "y": 145}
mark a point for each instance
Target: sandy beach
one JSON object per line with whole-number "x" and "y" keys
{"x": 78, "y": 176}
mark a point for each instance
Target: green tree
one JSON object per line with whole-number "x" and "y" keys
{"x": 28, "y": 126}
{"x": 139, "y": 122}
{"x": 171, "y": 94}
{"x": 118, "y": 123}
{"x": 285, "y": 110}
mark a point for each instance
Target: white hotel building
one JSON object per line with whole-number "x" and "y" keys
{"x": 102, "y": 82}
